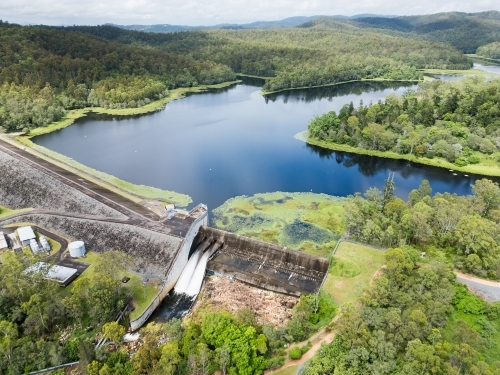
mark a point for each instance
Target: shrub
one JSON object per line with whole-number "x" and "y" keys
{"x": 295, "y": 353}
{"x": 461, "y": 162}
{"x": 473, "y": 159}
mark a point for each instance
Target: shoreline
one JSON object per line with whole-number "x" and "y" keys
{"x": 478, "y": 169}
{"x": 154, "y": 106}
{"x": 264, "y": 93}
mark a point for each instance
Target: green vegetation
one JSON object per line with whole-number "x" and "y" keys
{"x": 218, "y": 341}
{"x": 42, "y": 324}
{"x": 463, "y": 229}
{"x": 352, "y": 268}
{"x": 490, "y": 51}
{"x": 453, "y": 122}
{"x": 465, "y": 31}
{"x": 302, "y": 221}
{"x": 47, "y": 71}
{"x": 402, "y": 326}
{"x": 142, "y": 295}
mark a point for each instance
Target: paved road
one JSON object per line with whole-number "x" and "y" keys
{"x": 487, "y": 289}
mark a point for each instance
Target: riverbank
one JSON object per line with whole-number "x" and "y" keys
{"x": 488, "y": 166}
{"x": 264, "y": 93}
{"x": 74, "y": 114}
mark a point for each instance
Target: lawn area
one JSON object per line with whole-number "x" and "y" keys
{"x": 142, "y": 295}
{"x": 301, "y": 221}
{"x": 352, "y": 269}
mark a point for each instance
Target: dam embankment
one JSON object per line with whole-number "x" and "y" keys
{"x": 262, "y": 264}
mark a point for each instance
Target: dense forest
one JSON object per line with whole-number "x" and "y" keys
{"x": 414, "y": 319}
{"x": 464, "y": 228}
{"x": 465, "y": 31}
{"x": 491, "y": 51}
{"x": 301, "y": 57}
{"x": 44, "y": 72}
{"x": 457, "y": 121}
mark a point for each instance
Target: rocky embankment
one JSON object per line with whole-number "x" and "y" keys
{"x": 152, "y": 252}
{"x": 269, "y": 307}
{"x": 22, "y": 186}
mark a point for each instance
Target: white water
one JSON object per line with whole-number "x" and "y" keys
{"x": 187, "y": 273}
{"x": 194, "y": 286}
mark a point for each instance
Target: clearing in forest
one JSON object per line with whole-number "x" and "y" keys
{"x": 351, "y": 270}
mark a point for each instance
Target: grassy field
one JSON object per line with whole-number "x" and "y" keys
{"x": 352, "y": 269}
{"x": 488, "y": 166}
{"x": 301, "y": 221}
{"x": 142, "y": 295}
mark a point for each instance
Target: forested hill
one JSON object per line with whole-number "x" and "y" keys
{"x": 465, "y": 31}
{"x": 46, "y": 71}
{"x": 301, "y": 57}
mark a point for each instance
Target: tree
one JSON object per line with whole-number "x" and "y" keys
{"x": 489, "y": 193}
{"x": 114, "y": 332}
{"x": 170, "y": 358}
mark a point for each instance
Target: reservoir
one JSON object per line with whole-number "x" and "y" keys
{"x": 229, "y": 142}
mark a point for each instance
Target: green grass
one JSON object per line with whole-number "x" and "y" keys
{"x": 361, "y": 260}
{"x": 488, "y": 166}
{"x": 142, "y": 295}
{"x": 301, "y": 221}
{"x": 291, "y": 370}
{"x": 492, "y": 353}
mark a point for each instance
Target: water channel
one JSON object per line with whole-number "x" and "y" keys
{"x": 233, "y": 141}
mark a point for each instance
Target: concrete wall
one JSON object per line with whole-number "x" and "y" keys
{"x": 266, "y": 265}
{"x": 173, "y": 272}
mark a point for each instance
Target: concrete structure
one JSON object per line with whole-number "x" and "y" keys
{"x": 3, "y": 242}
{"x": 45, "y": 244}
{"x": 25, "y": 234}
{"x": 77, "y": 249}
{"x": 265, "y": 265}
{"x": 60, "y": 274}
{"x": 34, "y": 246}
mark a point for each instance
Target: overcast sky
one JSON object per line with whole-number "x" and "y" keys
{"x": 210, "y": 12}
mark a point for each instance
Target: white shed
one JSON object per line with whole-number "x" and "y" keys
{"x": 26, "y": 234}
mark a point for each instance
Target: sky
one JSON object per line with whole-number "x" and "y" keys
{"x": 209, "y": 12}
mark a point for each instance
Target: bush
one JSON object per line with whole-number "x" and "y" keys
{"x": 295, "y": 353}
{"x": 474, "y": 159}
{"x": 461, "y": 162}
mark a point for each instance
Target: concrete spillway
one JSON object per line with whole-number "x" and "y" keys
{"x": 264, "y": 265}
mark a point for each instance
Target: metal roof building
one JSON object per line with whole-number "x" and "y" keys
{"x": 26, "y": 234}
{"x": 62, "y": 275}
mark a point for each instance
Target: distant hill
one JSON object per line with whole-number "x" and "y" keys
{"x": 465, "y": 31}
{"x": 287, "y": 22}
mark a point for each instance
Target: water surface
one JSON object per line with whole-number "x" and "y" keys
{"x": 233, "y": 141}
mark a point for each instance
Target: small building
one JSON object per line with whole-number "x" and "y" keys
{"x": 3, "y": 242}
{"x": 34, "y": 247}
{"x": 60, "y": 274}
{"x": 25, "y": 234}
{"x": 45, "y": 244}
{"x": 15, "y": 244}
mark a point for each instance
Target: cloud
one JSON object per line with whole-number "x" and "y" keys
{"x": 199, "y": 12}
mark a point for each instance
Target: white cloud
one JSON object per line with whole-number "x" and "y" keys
{"x": 199, "y": 12}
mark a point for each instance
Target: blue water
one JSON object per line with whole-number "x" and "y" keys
{"x": 229, "y": 142}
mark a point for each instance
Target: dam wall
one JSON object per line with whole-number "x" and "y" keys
{"x": 176, "y": 267}
{"x": 264, "y": 265}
